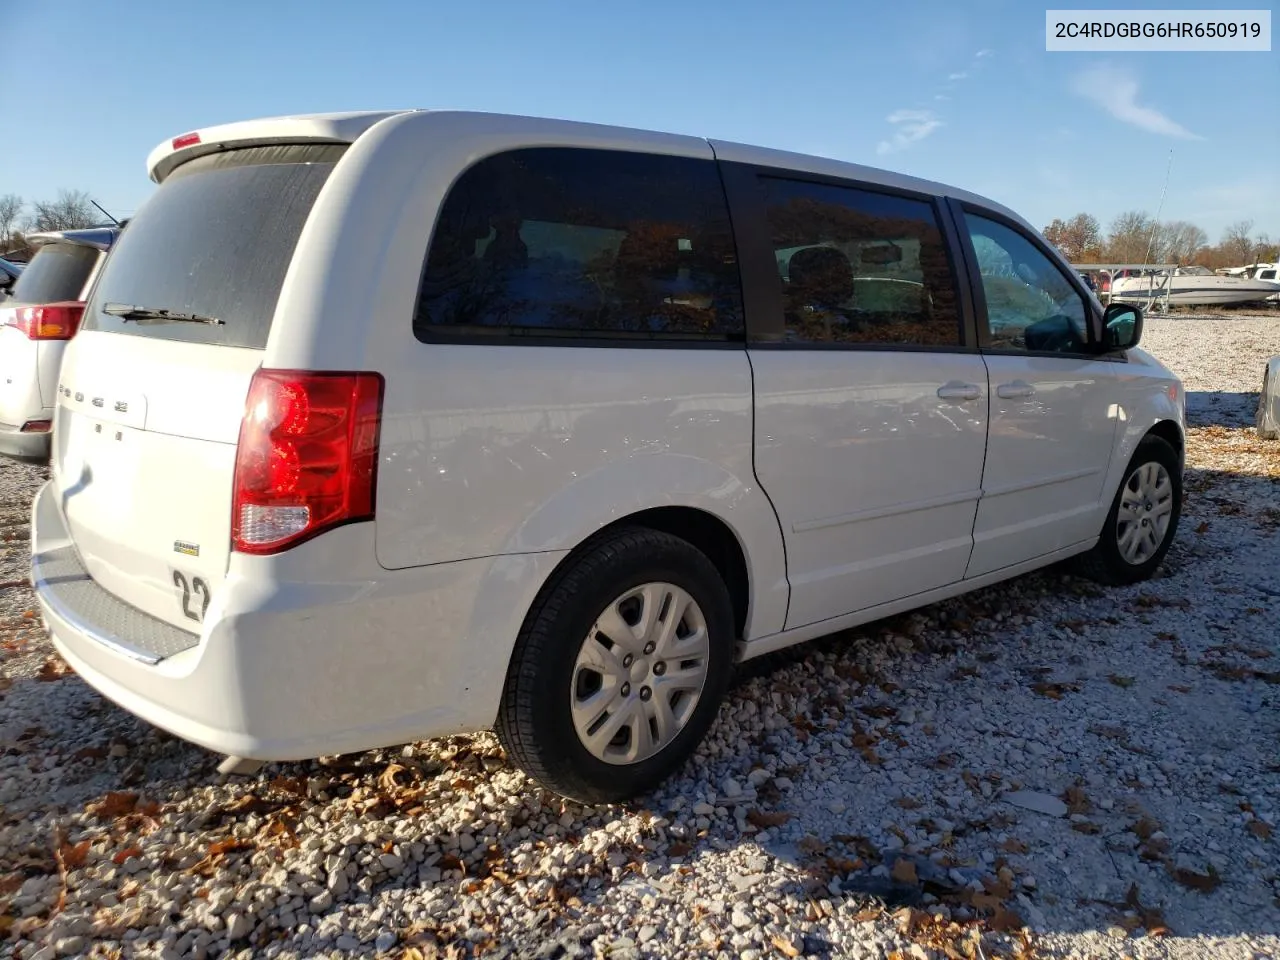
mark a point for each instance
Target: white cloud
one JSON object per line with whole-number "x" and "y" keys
{"x": 941, "y": 96}
{"x": 958, "y": 76}
{"x": 1116, "y": 91}
{"x": 983, "y": 53}
{"x": 910, "y": 126}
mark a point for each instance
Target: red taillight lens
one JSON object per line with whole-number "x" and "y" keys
{"x": 186, "y": 140}
{"x": 49, "y": 321}
{"x": 36, "y": 426}
{"x": 308, "y": 456}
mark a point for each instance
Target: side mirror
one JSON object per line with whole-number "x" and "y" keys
{"x": 7, "y": 281}
{"x": 1121, "y": 326}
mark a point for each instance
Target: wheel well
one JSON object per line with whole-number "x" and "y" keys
{"x": 1168, "y": 431}
{"x": 713, "y": 537}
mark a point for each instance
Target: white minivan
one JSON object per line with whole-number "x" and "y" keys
{"x": 386, "y": 426}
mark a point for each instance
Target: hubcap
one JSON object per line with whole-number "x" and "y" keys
{"x": 1146, "y": 506}
{"x": 640, "y": 673}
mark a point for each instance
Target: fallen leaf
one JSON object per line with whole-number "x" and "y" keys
{"x": 1086, "y": 827}
{"x": 1259, "y": 829}
{"x": 73, "y": 856}
{"x": 1202, "y": 527}
{"x": 907, "y": 803}
{"x": 55, "y": 668}
{"x": 678, "y": 849}
{"x": 125, "y": 854}
{"x": 1076, "y": 799}
{"x": 1145, "y": 827}
{"x": 1005, "y": 920}
{"x": 904, "y": 871}
{"x": 811, "y": 845}
{"x": 295, "y": 785}
{"x": 1014, "y": 845}
{"x": 1120, "y": 681}
{"x": 114, "y": 804}
{"x": 1204, "y": 882}
{"x": 767, "y": 818}
{"x": 867, "y": 914}
{"x": 785, "y": 946}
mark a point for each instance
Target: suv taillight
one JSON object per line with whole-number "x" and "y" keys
{"x": 307, "y": 458}
{"x": 49, "y": 321}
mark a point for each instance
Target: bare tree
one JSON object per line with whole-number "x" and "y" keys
{"x": 1265, "y": 250}
{"x": 72, "y": 210}
{"x": 1237, "y": 243}
{"x": 10, "y": 210}
{"x": 1178, "y": 242}
{"x": 1130, "y": 237}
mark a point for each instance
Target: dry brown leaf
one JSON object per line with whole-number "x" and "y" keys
{"x": 1145, "y": 827}
{"x": 1014, "y": 845}
{"x": 867, "y": 914}
{"x": 767, "y": 818}
{"x": 1005, "y": 920}
{"x": 1076, "y": 799}
{"x": 784, "y": 945}
{"x": 114, "y": 804}
{"x": 73, "y": 856}
{"x": 295, "y": 785}
{"x": 1086, "y": 827}
{"x": 678, "y": 849}
{"x": 125, "y": 854}
{"x": 811, "y": 845}
{"x": 1259, "y": 829}
{"x": 907, "y": 803}
{"x": 1204, "y": 882}
{"x": 904, "y": 871}
{"x": 55, "y": 668}
{"x": 1121, "y": 681}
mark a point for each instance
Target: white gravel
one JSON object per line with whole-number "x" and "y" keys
{"x": 1102, "y": 767}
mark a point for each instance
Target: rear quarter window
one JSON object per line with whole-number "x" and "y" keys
{"x": 579, "y": 243}
{"x": 58, "y": 271}
{"x": 215, "y": 239}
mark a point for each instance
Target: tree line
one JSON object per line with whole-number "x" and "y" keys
{"x": 1137, "y": 237}
{"x": 70, "y": 210}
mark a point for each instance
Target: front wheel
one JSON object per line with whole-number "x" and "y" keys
{"x": 1143, "y": 518}
{"x": 619, "y": 668}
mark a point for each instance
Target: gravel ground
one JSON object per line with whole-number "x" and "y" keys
{"x": 1041, "y": 769}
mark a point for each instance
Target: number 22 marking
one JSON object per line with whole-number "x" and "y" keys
{"x": 196, "y": 586}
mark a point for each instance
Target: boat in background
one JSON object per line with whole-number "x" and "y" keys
{"x": 1191, "y": 286}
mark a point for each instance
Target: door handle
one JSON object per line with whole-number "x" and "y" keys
{"x": 1017, "y": 390}
{"x": 956, "y": 390}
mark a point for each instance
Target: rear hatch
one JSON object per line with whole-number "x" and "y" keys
{"x": 149, "y": 406}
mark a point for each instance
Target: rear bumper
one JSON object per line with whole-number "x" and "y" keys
{"x": 313, "y": 665}
{"x": 24, "y": 446}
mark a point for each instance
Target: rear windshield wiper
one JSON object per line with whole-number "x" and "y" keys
{"x": 127, "y": 312}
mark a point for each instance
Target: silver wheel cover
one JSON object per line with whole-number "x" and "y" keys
{"x": 1146, "y": 507}
{"x": 639, "y": 673}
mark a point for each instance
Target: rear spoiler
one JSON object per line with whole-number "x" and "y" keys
{"x": 100, "y": 238}
{"x": 307, "y": 128}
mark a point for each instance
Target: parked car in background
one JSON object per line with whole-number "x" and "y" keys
{"x": 9, "y": 273}
{"x": 491, "y": 421}
{"x": 41, "y": 315}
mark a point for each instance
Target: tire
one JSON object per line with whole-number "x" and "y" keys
{"x": 1111, "y": 561}
{"x": 552, "y": 690}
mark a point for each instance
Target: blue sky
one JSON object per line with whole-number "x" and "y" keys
{"x": 964, "y": 94}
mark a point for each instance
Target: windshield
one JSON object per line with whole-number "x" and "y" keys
{"x": 214, "y": 240}
{"x": 58, "y": 271}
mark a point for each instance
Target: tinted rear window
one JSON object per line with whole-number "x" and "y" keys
{"x": 215, "y": 239}
{"x": 58, "y": 271}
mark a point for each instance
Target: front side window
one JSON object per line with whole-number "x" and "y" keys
{"x": 583, "y": 243}
{"x": 860, "y": 267}
{"x": 1031, "y": 305}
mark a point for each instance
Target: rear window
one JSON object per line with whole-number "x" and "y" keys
{"x": 58, "y": 271}
{"x": 215, "y": 240}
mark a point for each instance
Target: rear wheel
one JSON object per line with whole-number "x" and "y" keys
{"x": 619, "y": 668}
{"x": 1143, "y": 519}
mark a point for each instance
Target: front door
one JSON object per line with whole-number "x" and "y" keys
{"x": 1053, "y": 403}
{"x": 870, "y": 413}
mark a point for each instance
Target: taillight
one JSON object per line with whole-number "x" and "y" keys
{"x": 49, "y": 321}
{"x": 186, "y": 140}
{"x": 307, "y": 458}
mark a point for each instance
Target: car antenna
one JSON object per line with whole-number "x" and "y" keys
{"x": 107, "y": 215}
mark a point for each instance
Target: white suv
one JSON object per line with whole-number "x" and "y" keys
{"x": 36, "y": 323}
{"x": 385, "y": 426}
